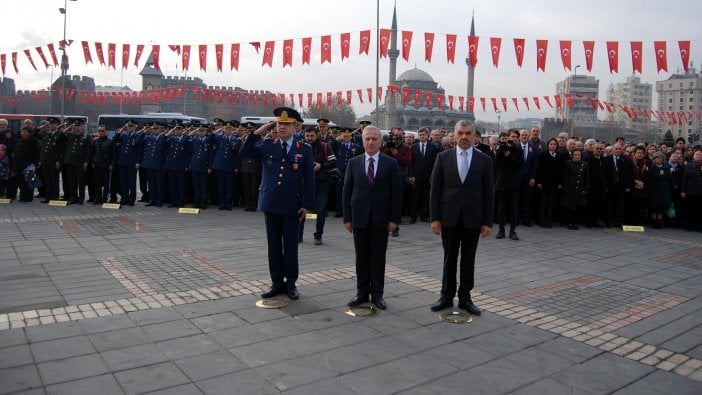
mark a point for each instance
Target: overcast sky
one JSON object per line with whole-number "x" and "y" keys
{"x": 31, "y": 23}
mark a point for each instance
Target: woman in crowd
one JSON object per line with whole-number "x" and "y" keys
{"x": 639, "y": 195}
{"x": 677, "y": 168}
{"x": 549, "y": 180}
{"x": 691, "y": 192}
{"x": 660, "y": 186}
{"x": 576, "y": 184}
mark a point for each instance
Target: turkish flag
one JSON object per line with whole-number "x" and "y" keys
{"x": 329, "y": 99}
{"x": 230, "y": 98}
{"x": 137, "y": 55}
{"x": 405, "y": 96}
{"x": 309, "y": 100}
{"x": 384, "y": 41}
{"x": 569, "y": 100}
{"x": 494, "y": 104}
{"x": 417, "y": 93}
{"x": 461, "y": 100}
{"x": 125, "y": 55}
{"x": 636, "y": 52}
{"x": 427, "y": 99}
{"x": 541, "y": 51}
{"x": 380, "y": 93}
{"x": 319, "y": 100}
{"x": 171, "y": 94}
{"x": 111, "y": 49}
{"x": 439, "y": 100}
{"x": 548, "y": 101}
{"x": 268, "y": 53}
{"x": 406, "y": 44}
{"x": 202, "y": 51}
{"x": 589, "y": 52}
{"x": 450, "y": 47}
{"x": 685, "y": 54}
{"x": 349, "y": 96}
{"x": 219, "y": 56}
{"x": 14, "y": 61}
{"x": 526, "y": 102}
{"x": 450, "y": 99}
{"x": 473, "y": 50}
{"x": 156, "y": 55}
{"x": 558, "y": 100}
{"x": 256, "y": 45}
{"x": 516, "y": 103}
{"x": 565, "y": 54}
{"x": 613, "y": 55}
{"x": 3, "y": 60}
{"x": 428, "y": 46}
{"x": 495, "y": 44}
{"x": 265, "y": 101}
{"x": 29, "y": 56}
{"x": 536, "y": 102}
{"x": 339, "y": 99}
{"x": 326, "y": 48}
{"x": 519, "y": 50}
{"x": 255, "y": 99}
{"x": 234, "y": 57}
{"x": 52, "y": 52}
{"x": 185, "y": 56}
{"x": 661, "y": 56}
{"x": 306, "y": 49}
{"x": 482, "y": 102}
{"x": 504, "y": 103}
{"x": 370, "y": 94}
{"x": 100, "y": 55}
{"x": 364, "y": 42}
{"x": 86, "y": 52}
{"x": 282, "y": 99}
{"x": 238, "y": 97}
{"x": 40, "y": 51}
{"x": 287, "y": 52}
{"x": 175, "y": 48}
{"x": 360, "y": 95}
{"x": 299, "y": 98}
{"x": 345, "y": 45}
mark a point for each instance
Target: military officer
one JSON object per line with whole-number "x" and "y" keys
{"x": 344, "y": 149}
{"x": 199, "y": 163}
{"x": 101, "y": 161}
{"x": 152, "y": 161}
{"x": 286, "y": 194}
{"x": 76, "y": 157}
{"x": 225, "y": 163}
{"x": 50, "y": 152}
{"x": 130, "y": 145}
{"x": 250, "y": 170}
{"x": 177, "y": 154}
{"x": 325, "y": 135}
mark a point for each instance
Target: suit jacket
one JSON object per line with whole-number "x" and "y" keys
{"x": 508, "y": 169}
{"x": 422, "y": 165}
{"x": 472, "y": 200}
{"x": 618, "y": 179}
{"x": 374, "y": 205}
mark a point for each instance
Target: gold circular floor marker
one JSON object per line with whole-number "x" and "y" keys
{"x": 271, "y": 303}
{"x": 361, "y": 311}
{"x": 456, "y": 317}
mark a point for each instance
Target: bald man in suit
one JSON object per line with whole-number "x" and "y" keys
{"x": 461, "y": 207}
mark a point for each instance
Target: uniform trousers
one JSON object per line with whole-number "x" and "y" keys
{"x": 281, "y": 232}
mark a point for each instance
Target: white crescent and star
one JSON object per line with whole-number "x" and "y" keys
{"x": 268, "y": 50}
{"x": 287, "y": 49}
{"x": 325, "y": 46}
{"x": 588, "y": 53}
{"x": 235, "y": 53}
{"x": 450, "y": 45}
{"x": 428, "y": 43}
{"x": 495, "y": 49}
{"x": 519, "y": 49}
{"x": 219, "y": 54}
{"x": 202, "y": 54}
{"x": 683, "y": 52}
{"x": 566, "y": 52}
{"x": 541, "y": 52}
{"x": 472, "y": 49}
{"x": 383, "y": 40}
{"x": 345, "y": 43}
{"x": 365, "y": 40}
{"x": 661, "y": 53}
{"x": 612, "y": 54}
{"x": 405, "y": 42}
{"x": 636, "y": 53}
{"x": 306, "y": 48}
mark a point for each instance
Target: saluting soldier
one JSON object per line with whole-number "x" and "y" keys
{"x": 325, "y": 135}
{"x": 225, "y": 163}
{"x": 129, "y": 143}
{"x": 50, "y": 147}
{"x": 101, "y": 161}
{"x": 250, "y": 174}
{"x": 286, "y": 194}
{"x": 76, "y": 158}
{"x": 201, "y": 156}
{"x": 152, "y": 161}
{"x": 177, "y": 153}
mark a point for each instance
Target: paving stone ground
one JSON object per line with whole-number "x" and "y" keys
{"x": 142, "y": 300}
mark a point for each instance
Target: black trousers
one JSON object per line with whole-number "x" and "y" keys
{"x": 507, "y": 205}
{"x": 101, "y": 183}
{"x": 251, "y": 182}
{"x": 51, "y": 181}
{"x": 76, "y": 183}
{"x": 457, "y": 239}
{"x": 420, "y": 197}
{"x": 371, "y": 244}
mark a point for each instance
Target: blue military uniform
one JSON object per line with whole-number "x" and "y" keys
{"x": 287, "y": 186}
{"x": 130, "y": 152}
{"x": 153, "y": 160}
{"x": 225, "y": 163}
{"x": 344, "y": 152}
{"x": 201, "y": 155}
{"x": 177, "y": 154}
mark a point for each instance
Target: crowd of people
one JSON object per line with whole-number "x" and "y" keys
{"x": 566, "y": 180}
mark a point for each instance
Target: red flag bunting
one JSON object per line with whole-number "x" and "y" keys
{"x": 111, "y": 49}
{"x": 473, "y": 50}
{"x": 504, "y": 103}
{"x": 365, "y": 42}
{"x": 14, "y": 62}
{"x": 636, "y": 52}
{"x": 287, "y": 52}
{"x": 450, "y": 99}
{"x": 234, "y": 57}
{"x": 661, "y": 56}
{"x": 299, "y": 98}
{"x": 125, "y": 55}
{"x": 306, "y": 50}
{"x": 219, "y": 56}
{"x": 339, "y": 99}
{"x": 319, "y": 100}
{"x": 495, "y": 45}
{"x": 461, "y": 101}
{"x": 417, "y": 93}
{"x": 685, "y": 54}
{"x": 565, "y": 54}
{"x": 345, "y": 45}
{"x": 100, "y": 55}
{"x": 428, "y": 46}
{"x": 349, "y": 96}
{"x": 548, "y": 101}
{"x": 175, "y": 48}
{"x": 406, "y": 44}
{"x": 156, "y": 55}
{"x": 380, "y": 93}
{"x": 450, "y": 47}
{"x": 613, "y": 55}
{"x": 526, "y": 102}
{"x": 29, "y": 56}
{"x": 482, "y": 102}
{"x": 268, "y": 54}
{"x": 515, "y": 101}
{"x": 589, "y": 47}
{"x": 202, "y": 52}
{"x": 536, "y": 102}
{"x": 427, "y": 99}
{"x": 40, "y": 51}
{"x": 519, "y": 50}
{"x": 137, "y": 55}
{"x": 256, "y": 45}
{"x": 185, "y": 56}
{"x": 326, "y": 48}
{"x": 384, "y": 41}
{"x": 370, "y": 95}
{"x": 494, "y": 104}
{"x": 360, "y": 95}
{"x": 309, "y": 100}
{"x": 569, "y": 100}
{"x": 230, "y": 97}
{"x": 86, "y": 52}
{"x": 405, "y": 96}
{"x": 52, "y": 52}
{"x": 558, "y": 100}
{"x": 439, "y": 100}
{"x": 541, "y": 52}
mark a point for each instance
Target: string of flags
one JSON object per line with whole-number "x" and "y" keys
{"x": 409, "y": 97}
{"x": 106, "y": 54}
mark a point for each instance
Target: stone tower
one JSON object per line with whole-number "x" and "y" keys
{"x": 151, "y": 78}
{"x": 471, "y": 75}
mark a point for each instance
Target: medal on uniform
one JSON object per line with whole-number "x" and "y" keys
{"x": 269, "y": 162}
{"x": 296, "y": 162}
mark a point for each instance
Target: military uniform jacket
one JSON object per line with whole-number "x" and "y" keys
{"x": 154, "y": 152}
{"x": 102, "y": 152}
{"x": 344, "y": 152}
{"x": 77, "y": 150}
{"x": 201, "y": 154}
{"x": 250, "y": 162}
{"x": 178, "y": 152}
{"x": 129, "y": 147}
{"x": 226, "y": 156}
{"x": 287, "y": 182}
{"x": 51, "y": 147}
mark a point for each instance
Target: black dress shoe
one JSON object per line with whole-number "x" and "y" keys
{"x": 357, "y": 300}
{"x": 273, "y": 291}
{"x": 395, "y": 233}
{"x": 500, "y": 234}
{"x": 293, "y": 294}
{"x": 413, "y": 220}
{"x": 45, "y": 201}
{"x": 513, "y": 235}
{"x": 473, "y": 309}
{"x": 379, "y": 302}
{"x": 441, "y": 304}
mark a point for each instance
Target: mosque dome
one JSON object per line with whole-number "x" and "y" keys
{"x": 415, "y": 74}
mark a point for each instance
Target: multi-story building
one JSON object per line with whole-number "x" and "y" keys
{"x": 633, "y": 94}
{"x": 582, "y": 113}
{"x": 681, "y": 92}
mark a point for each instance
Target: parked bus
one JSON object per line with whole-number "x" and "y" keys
{"x": 307, "y": 122}
{"x": 116, "y": 121}
{"x": 16, "y": 121}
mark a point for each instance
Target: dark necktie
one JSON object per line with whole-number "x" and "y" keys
{"x": 285, "y": 148}
{"x": 371, "y": 171}
{"x": 422, "y": 149}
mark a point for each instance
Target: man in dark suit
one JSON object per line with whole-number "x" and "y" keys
{"x": 422, "y": 162}
{"x": 372, "y": 205}
{"x": 461, "y": 204}
{"x": 508, "y": 165}
{"x": 527, "y": 178}
{"x": 619, "y": 179}
{"x": 286, "y": 194}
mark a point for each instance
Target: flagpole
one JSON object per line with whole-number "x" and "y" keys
{"x": 377, "y": 59}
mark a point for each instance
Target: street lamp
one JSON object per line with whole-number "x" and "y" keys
{"x": 64, "y": 59}
{"x": 498, "y": 121}
{"x": 51, "y": 90}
